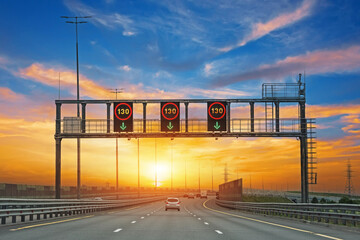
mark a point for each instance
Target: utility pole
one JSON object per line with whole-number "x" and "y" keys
{"x": 116, "y": 91}
{"x": 76, "y": 22}
{"x": 349, "y": 188}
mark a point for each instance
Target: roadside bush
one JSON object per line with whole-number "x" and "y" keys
{"x": 314, "y": 200}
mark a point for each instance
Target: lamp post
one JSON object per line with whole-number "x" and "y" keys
{"x": 116, "y": 91}
{"x": 76, "y": 22}
{"x": 138, "y": 167}
{"x": 172, "y": 165}
{"x": 155, "y": 167}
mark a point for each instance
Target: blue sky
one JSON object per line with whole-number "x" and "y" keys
{"x": 166, "y": 44}
{"x": 228, "y": 46}
{"x": 182, "y": 49}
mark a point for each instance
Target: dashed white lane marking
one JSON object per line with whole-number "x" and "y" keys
{"x": 142, "y": 217}
{"x": 219, "y": 232}
{"x": 148, "y": 214}
{"x": 118, "y": 230}
{"x": 194, "y": 215}
{"x": 206, "y": 223}
{"x": 199, "y": 218}
{"x": 133, "y": 222}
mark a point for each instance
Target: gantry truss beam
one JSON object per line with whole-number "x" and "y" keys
{"x": 272, "y": 126}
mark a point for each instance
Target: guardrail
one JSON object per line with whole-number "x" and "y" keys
{"x": 28, "y": 208}
{"x": 343, "y": 214}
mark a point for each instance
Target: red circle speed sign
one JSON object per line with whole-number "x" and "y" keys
{"x": 217, "y": 110}
{"x": 171, "y": 112}
{"x": 123, "y": 111}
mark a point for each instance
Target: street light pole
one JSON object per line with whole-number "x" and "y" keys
{"x": 212, "y": 177}
{"x": 116, "y": 91}
{"x": 138, "y": 167}
{"x": 78, "y": 94}
{"x": 199, "y": 175}
{"x": 185, "y": 176}
{"x": 155, "y": 167}
{"x": 171, "y": 166}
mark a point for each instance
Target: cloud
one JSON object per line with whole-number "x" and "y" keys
{"x": 320, "y": 61}
{"x": 50, "y": 76}
{"x": 260, "y": 29}
{"x": 128, "y": 33}
{"x": 207, "y": 69}
{"x": 125, "y": 68}
{"x": 7, "y": 94}
{"x": 3, "y": 60}
{"x": 110, "y": 21}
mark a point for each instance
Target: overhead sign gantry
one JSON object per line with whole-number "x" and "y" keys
{"x": 218, "y": 123}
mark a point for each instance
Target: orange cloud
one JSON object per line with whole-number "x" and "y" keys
{"x": 261, "y": 29}
{"x": 49, "y": 76}
{"x": 7, "y": 94}
{"x": 321, "y": 61}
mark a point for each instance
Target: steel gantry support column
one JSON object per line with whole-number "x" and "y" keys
{"x": 186, "y": 117}
{"x": 58, "y": 153}
{"x": 303, "y": 154}
{"x": 58, "y": 168}
{"x": 228, "y": 117}
{"x": 277, "y": 116}
{"x": 108, "y": 106}
{"x": 83, "y": 117}
{"x": 144, "y": 117}
{"x": 252, "y": 122}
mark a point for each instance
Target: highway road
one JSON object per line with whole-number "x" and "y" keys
{"x": 198, "y": 219}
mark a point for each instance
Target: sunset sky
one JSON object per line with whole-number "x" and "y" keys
{"x": 179, "y": 49}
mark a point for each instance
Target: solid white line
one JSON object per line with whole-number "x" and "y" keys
{"x": 219, "y": 232}
{"x": 206, "y": 223}
{"x": 326, "y": 236}
{"x": 118, "y": 230}
{"x": 270, "y": 223}
{"x": 133, "y": 222}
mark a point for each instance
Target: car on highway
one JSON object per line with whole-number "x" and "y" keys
{"x": 172, "y": 203}
{"x": 191, "y": 195}
{"x": 198, "y": 195}
{"x": 186, "y": 195}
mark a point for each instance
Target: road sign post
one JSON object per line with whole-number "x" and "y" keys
{"x": 170, "y": 116}
{"x": 216, "y": 116}
{"x": 123, "y": 117}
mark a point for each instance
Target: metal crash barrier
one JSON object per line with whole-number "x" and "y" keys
{"x": 342, "y": 214}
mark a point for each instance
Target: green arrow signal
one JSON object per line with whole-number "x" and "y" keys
{"x": 170, "y": 126}
{"x": 217, "y": 126}
{"x": 123, "y": 126}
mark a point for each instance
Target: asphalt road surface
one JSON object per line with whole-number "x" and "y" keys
{"x": 198, "y": 219}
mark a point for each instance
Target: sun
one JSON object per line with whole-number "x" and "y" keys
{"x": 163, "y": 173}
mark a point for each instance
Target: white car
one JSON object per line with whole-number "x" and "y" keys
{"x": 172, "y": 203}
